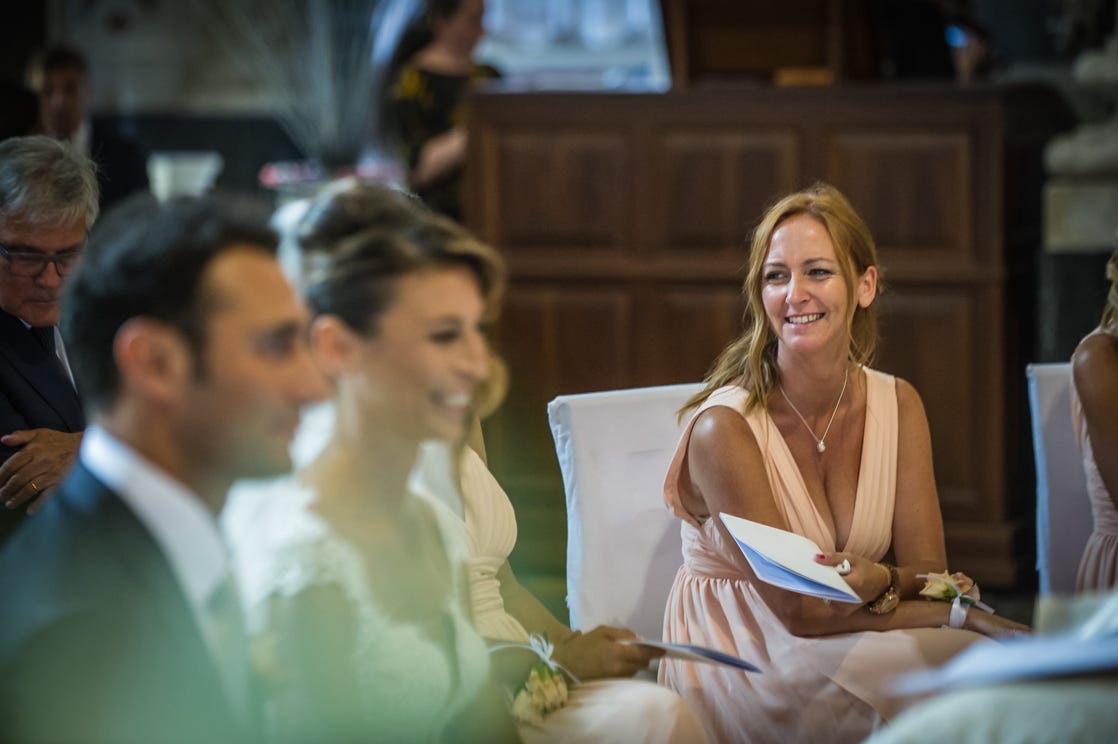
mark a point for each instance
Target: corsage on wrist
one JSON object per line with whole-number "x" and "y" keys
{"x": 958, "y": 589}
{"x": 545, "y": 689}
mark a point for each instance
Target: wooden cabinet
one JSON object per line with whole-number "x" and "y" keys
{"x": 625, "y": 222}
{"x": 763, "y": 40}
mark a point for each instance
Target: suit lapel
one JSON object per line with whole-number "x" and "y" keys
{"x": 158, "y": 590}
{"x": 41, "y": 369}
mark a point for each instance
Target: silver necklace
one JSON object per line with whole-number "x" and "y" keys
{"x": 819, "y": 445}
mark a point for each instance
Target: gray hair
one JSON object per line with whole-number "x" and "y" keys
{"x": 46, "y": 182}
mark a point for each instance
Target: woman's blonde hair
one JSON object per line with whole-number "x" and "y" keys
{"x": 356, "y": 239}
{"x": 750, "y": 360}
{"x": 1109, "y": 322}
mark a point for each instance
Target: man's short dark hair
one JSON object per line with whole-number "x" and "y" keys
{"x": 53, "y": 58}
{"x": 147, "y": 259}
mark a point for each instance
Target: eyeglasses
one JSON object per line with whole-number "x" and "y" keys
{"x": 32, "y": 265}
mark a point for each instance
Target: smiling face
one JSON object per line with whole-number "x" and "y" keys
{"x": 36, "y": 300}
{"x": 419, "y": 371}
{"x": 805, "y": 291}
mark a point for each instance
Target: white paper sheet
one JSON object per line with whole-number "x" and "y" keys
{"x": 787, "y": 560}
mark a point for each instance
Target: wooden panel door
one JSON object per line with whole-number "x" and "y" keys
{"x": 555, "y": 339}
{"x": 709, "y": 186}
{"x": 625, "y": 220}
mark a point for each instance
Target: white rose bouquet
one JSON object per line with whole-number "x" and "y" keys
{"x": 545, "y": 690}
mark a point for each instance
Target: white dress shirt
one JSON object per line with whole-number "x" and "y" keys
{"x": 80, "y": 139}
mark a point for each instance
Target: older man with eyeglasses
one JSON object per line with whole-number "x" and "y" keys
{"x": 48, "y": 202}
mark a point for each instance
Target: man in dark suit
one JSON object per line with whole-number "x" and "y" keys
{"x": 119, "y": 620}
{"x": 60, "y": 76}
{"x": 48, "y": 202}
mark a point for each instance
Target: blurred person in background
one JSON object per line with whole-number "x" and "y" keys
{"x": 60, "y": 76}
{"x": 429, "y": 79}
{"x": 48, "y": 203}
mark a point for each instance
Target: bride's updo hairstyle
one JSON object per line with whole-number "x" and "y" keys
{"x": 354, "y": 240}
{"x": 750, "y": 360}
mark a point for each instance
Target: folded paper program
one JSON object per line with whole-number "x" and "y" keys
{"x": 691, "y": 652}
{"x": 787, "y": 560}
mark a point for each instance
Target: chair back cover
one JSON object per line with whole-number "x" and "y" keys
{"x": 623, "y": 544}
{"x": 1063, "y": 510}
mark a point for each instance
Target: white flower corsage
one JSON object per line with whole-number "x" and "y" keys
{"x": 958, "y": 589}
{"x": 545, "y": 689}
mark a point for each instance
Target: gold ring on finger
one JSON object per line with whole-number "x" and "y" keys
{"x": 34, "y": 487}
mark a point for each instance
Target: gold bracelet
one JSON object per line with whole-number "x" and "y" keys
{"x": 890, "y": 598}
{"x": 888, "y": 575}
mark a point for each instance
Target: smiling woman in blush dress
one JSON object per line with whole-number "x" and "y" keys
{"x": 795, "y": 431}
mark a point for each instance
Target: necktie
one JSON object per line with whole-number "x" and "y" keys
{"x": 45, "y": 336}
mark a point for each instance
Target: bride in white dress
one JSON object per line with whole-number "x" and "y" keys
{"x": 355, "y": 588}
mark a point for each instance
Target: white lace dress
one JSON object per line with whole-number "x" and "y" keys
{"x": 280, "y": 547}
{"x": 603, "y": 710}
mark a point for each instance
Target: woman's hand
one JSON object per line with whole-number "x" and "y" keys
{"x": 868, "y": 579}
{"x": 598, "y": 653}
{"x": 994, "y": 626}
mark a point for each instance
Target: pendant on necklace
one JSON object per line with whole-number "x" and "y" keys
{"x": 821, "y": 447}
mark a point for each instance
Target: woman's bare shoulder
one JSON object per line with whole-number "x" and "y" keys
{"x": 1096, "y": 352}
{"x": 721, "y": 441}
{"x": 718, "y": 424}
{"x": 908, "y": 399}
{"x": 1094, "y": 366}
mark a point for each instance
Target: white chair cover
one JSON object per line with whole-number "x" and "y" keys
{"x": 623, "y": 544}
{"x": 1063, "y": 510}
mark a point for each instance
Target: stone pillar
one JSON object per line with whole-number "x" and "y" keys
{"x": 1080, "y": 213}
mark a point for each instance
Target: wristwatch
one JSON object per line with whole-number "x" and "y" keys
{"x": 888, "y": 599}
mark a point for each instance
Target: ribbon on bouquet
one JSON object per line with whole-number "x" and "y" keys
{"x": 544, "y": 649}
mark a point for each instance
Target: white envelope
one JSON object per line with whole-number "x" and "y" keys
{"x": 787, "y": 560}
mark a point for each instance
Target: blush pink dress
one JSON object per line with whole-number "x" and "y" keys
{"x": 1098, "y": 568}
{"x": 832, "y": 688}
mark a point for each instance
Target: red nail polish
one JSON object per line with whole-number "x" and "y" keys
{"x": 820, "y": 556}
